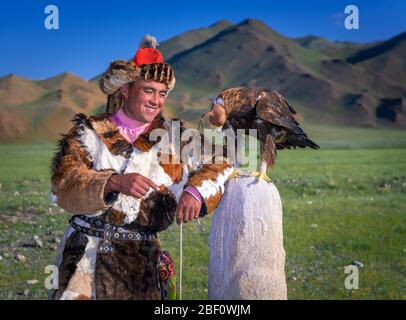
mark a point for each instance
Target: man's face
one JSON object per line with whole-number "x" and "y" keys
{"x": 144, "y": 99}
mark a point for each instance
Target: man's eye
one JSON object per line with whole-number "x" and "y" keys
{"x": 162, "y": 94}
{"x": 149, "y": 91}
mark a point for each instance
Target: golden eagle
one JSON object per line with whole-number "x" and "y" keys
{"x": 264, "y": 110}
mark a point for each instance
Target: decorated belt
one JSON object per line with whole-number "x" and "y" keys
{"x": 107, "y": 232}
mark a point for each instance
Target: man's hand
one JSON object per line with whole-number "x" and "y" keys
{"x": 131, "y": 184}
{"x": 188, "y": 208}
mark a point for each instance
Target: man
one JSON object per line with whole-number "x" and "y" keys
{"x": 108, "y": 173}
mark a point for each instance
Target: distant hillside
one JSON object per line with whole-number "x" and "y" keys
{"x": 15, "y": 90}
{"x": 308, "y": 71}
{"x": 336, "y": 49}
{"x": 191, "y": 39}
{"x": 36, "y": 110}
{"x": 387, "y": 58}
{"x": 340, "y": 83}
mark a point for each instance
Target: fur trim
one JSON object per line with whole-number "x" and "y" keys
{"x": 160, "y": 72}
{"x": 115, "y": 101}
{"x": 69, "y": 146}
{"x": 118, "y": 74}
{"x": 149, "y": 42}
{"x": 110, "y": 135}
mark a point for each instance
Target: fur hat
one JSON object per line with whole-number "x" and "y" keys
{"x": 147, "y": 64}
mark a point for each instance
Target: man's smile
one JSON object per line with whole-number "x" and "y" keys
{"x": 150, "y": 109}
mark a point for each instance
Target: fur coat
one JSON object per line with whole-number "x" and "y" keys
{"x": 88, "y": 155}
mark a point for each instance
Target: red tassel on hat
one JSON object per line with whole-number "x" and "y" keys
{"x": 148, "y": 53}
{"x": 147, "y": 56}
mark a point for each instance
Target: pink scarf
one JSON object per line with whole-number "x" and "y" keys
{"x": 128, "y": 127}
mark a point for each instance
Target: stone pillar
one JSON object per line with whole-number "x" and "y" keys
{"x": 247, "y": 259}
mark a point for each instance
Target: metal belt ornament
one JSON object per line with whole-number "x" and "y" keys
{"x": 108, "y": 232}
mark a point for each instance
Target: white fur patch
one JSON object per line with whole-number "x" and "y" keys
{"x": 147, "y": 164}
{"x": 88, "y": 262}
{"x": 69, "y": 295}
{"x": 86, "y": 265}
{"x": 210, "y": 188}
{"x": 91, "y": 244}
{"x": 128, "y": 205}
{"x": 100, "y": 155}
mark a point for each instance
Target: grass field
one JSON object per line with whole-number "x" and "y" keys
{"x": 343, "y": 203}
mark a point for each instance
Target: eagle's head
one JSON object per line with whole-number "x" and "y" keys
{"x": 228, "y": 100}
{"x": 217, "y": 114}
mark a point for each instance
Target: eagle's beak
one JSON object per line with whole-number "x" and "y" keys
{"x": 217, "y": 115}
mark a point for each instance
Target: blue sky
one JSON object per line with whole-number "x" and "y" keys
{"x": 92, "y": 33}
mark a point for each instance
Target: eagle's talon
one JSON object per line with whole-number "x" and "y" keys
{"x": 236, "y": 173}
{"x": 261, "y": 176}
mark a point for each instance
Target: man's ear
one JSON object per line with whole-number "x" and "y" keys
{"x": 124, "y": 91}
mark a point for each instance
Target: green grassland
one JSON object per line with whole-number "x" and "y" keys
{"x": 343, "y": 203}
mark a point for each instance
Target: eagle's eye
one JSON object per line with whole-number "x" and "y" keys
{"x": 219, "y": 101}
{"x": 258, "y": 120}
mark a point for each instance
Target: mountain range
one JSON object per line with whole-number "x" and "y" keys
{"x": 334, "y": 83}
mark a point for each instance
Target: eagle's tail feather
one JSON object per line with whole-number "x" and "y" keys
{"x": 302, "y": 141}
{"x": 311, "y": 144}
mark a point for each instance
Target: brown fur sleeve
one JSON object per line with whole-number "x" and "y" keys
{"x": 78, "y": 188}
{"x": 209, "y": 177}
{"x": 210, "y": 181}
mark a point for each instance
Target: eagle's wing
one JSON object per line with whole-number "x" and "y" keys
{"x": 241, "y": 111}
{"x": 273, "y": 108}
